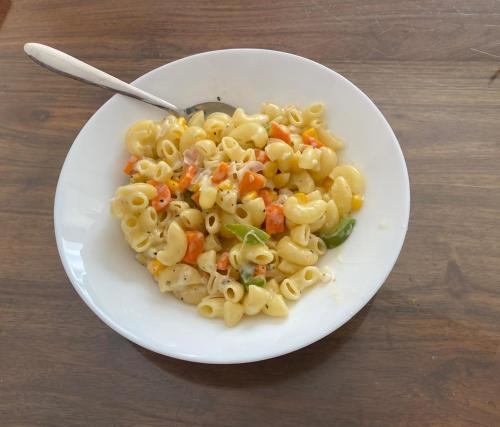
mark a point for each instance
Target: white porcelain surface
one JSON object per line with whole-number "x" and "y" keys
{"x": 120, "y": 291}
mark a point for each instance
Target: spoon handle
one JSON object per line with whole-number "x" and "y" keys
{"x": 68, "y": 66}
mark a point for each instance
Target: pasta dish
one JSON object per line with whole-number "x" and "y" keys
{"x": 232, "y": 213}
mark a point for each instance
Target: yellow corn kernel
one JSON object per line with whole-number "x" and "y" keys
{"x": 182, "y": 121}
{"x": 249, "y": 196}
{"x": 270, "y": 169}
{"x": 225, "y": 185}
{"x": 357, "y": 202}
{"x": 310, "y": 132}
{"x": 173, "y": 185}
{"x": 137, "y": 177}
{"x": 155, "y": 267}
{"x": 301, "y": 197}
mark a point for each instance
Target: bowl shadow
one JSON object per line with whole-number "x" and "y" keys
{"x": 262, "y": 373}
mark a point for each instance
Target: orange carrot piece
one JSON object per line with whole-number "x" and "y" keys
{"x": 275, "y": 219}
{"x": 260, "y": 270}
{"x": 266, "y": 196}
{"x": 163, "y": 196}
{"x": 196, "y": 240}
{"x": 313, "y": 142}
{"x": 251, "y": 181}
{"x": 260, "y": 155}
{"x": 129, "y": 167}
{"x": 280, "y": 132}
{"x": 223, "y": 261}
{"x": 220, "y": 173}
{"x": 186, "y": 179}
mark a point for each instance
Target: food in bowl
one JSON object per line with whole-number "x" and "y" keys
{"x": 232, "y": 213}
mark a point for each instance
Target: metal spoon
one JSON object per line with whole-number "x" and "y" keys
{"x": 64, "y": 64}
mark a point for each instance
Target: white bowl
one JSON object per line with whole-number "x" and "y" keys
{"x": 120, "y": 291}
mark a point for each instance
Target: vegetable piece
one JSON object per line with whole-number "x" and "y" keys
{"x": 155, "y": 267}
{"x": 310, "y": 132}
{"x": 257, "y": 281}
{"x": 163, "y": 196}
{"x": 338, "y": 236}
{"x": 129, "y": 167}
{"x": 280, "y": 132}
{"x": 226, "y": 185}
{"x": 223, "y": 261}
{"x": 301, "y": 197}
{"x": 275, "y": 219}
{"x": 260, "y": 270}
{"x": 196, "y": 241}
{"x": 251, "y": 181}
{"x": 260, "y": 155}
{"x": 220, "y": 173}
{"x": 267, "y": 195}
{"x": 186, "y": 179}
{"x": 247, "y": 275}
{"x": 313, "y": 142}
{"x": 248, "y": 234}
{"x": 357, "y": 202}
{"x": 252, "y": 195}
{"x": 173, "y": 185}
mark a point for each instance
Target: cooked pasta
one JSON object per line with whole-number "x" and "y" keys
{"x": 232, "y": 213}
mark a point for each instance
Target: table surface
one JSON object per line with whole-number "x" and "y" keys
{"x": 424, "y": 351}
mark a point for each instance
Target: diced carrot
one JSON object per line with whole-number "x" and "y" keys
{"x": 265, "y": 193}
{"x": 188, "y": 176}
{"x": 223, "y": 261}
{"x": 163, "y": 196}
{"x": 220, "y": 173}
{"x": 260, "y": 270}
{"x": 313, "y": 142}
{"x": 280, "y": 132}
{"x": 251, "y": 181}
{"x": 275, "y": 219}
{"x": 129, "y": 167}
{"x": 260, "y": 155}
{"x": 196, "y": 241}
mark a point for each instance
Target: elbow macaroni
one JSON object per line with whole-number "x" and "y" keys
{"x": 175, "y": 209}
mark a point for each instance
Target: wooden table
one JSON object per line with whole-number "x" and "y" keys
{"x": 425, "y": 351}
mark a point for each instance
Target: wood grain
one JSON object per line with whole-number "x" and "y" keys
{"x": 424, "y": 352}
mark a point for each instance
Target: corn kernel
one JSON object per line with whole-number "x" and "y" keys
{"x": 310, "y": 132}
{"x": 173, "y": 185}
{"x": 249, "y": 196}
{"x": 225, "y": 185}
{"x": 155, "y": 267}
{"x": 137, "y": 177}
{"x": 301, "y": 197}
{"x": 182, "y": 121}
{"x": 357, "y": 202}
